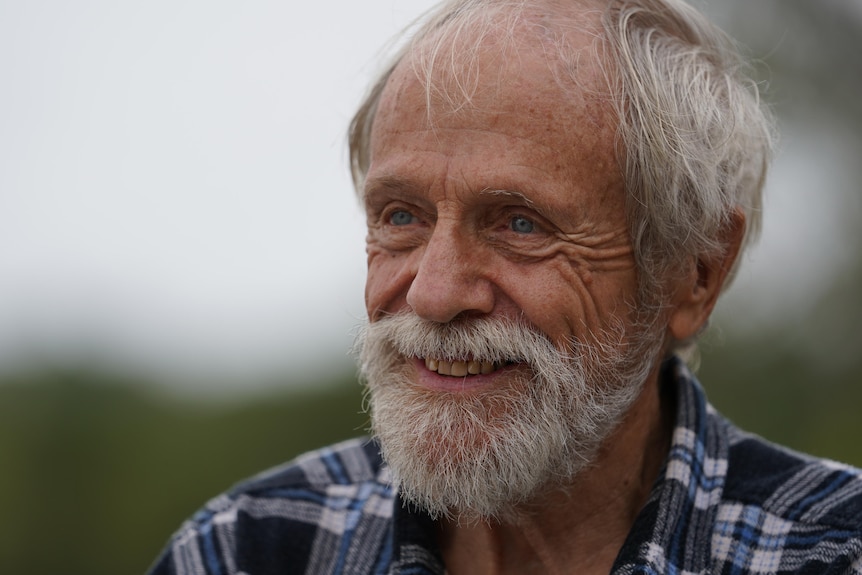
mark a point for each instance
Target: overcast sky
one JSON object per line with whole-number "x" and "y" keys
{"x": 173, "y": 189}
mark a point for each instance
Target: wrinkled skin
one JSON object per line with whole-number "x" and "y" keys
{"x": 493, "y": 210}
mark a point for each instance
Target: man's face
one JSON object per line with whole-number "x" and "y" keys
{"x": 497, "y": 243}
{"x": 511, "y": 207}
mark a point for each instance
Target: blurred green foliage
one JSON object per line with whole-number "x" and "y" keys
{"x": 799, "y": 383}
{"x": 791, "y": 401}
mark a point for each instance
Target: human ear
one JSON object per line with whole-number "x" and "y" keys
{"x": 695, "y": 293}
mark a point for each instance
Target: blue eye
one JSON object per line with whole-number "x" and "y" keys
{"x": 401, "y": 218}
{"x": 521, "y": 225}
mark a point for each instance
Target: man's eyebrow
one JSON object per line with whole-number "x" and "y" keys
{"x": 530, "y": 203}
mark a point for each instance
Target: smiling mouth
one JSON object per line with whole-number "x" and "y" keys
{"x": 462, "y": 368}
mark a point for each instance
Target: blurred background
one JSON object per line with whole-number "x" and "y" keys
{"x": 182, "y": 258}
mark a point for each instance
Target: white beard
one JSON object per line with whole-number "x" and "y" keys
{"x": 483, "y": 453}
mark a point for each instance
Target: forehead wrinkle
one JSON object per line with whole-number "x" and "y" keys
{"x": 390, "y": 183}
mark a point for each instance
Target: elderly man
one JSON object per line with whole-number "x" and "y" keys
{"x": 556, "y": 193}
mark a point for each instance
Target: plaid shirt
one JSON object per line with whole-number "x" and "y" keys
{"x": 727, "y": 502}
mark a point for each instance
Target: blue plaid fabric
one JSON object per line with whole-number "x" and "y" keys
{"x": 727, "y": 503}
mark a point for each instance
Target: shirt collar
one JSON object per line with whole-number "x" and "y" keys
{"x": 672, "y": 533}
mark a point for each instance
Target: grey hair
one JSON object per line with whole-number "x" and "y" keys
{"x": 695, "y": 137}
{"x": 694, "y": 140}
{"x": 452, "y": 17}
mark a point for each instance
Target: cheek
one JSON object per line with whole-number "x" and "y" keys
{"x": 563, "y": 298}
{"x": 389, "y": 278}
{"x": 551, "y": 295}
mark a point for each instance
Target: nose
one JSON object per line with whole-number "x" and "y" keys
{"x": 449, "y": 280}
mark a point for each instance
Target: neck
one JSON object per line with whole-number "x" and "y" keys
{"x": 579, "y": 528}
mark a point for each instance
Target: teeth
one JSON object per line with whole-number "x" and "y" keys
{"x": 444, "y": 368}
{"x": 460, "y": 368}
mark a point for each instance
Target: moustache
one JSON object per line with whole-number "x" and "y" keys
{"x": 493, "y": 340}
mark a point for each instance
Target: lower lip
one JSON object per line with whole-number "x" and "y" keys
{"x": 433, "y": 380}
